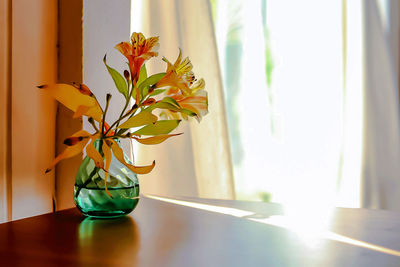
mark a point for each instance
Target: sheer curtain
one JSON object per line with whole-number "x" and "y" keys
{"x": 381, "y": 168}
{"x": 283, "y": 66}
{"x": 197, "y": 163}
{"x": 322, "y": 124}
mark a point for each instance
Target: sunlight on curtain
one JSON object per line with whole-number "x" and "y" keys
{"x": 198, "y": 162}
{"x": 294, "y": 120}
{"x": 349, "y": 172}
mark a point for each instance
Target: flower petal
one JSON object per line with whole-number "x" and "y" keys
{"x": 173, "y": 80}
{"x": 197, "y": 103}
{"x": 125, "y": 48}
{"x": 178, "y": 59}
{"x": 197, "y": 86}
{"x": 184, "y": 67}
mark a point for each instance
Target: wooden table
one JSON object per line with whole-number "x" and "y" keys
{"x": 200, "y": 232}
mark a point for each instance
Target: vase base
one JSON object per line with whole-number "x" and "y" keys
{"x": 106, "y": 214}
{"x": 96, "y": 203}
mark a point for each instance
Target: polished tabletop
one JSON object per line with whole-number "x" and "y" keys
{"x": 203, "y": 232}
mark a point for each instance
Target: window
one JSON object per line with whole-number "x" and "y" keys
{"x": 292, "y": 81}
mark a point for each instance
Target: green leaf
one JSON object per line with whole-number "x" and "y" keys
{"x": 163, "y": 105}
{"x": 157, "y": 92}
{"x": 171, "y": 104}
{"x": 188, "y": 112}
{"x": 171, "y": 101}
{"x": 119, "y": 80}
{"x": 153, "y": 79}
{"x": 166, "y": 103}
{"x": 159, "y": 127}
{"x": 142, "y": 75}
{"x": 140, "y": 119}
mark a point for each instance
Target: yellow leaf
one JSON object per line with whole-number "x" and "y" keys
{"x": 140, "y": 119}
{"x": 92, "y": 153}
{"x": 76, "y": 137}
{"x": 155, "y": 139}
{"x": 83, "y": 89}
{"x": 95, "y": 112}
{"x": 108, "y": 156}
{"x": 72, "y": 150}
{"x": 72, "y": 98}
{"x": 119, "y": 154}
{"x": 80, "y": 111}
{"x": 69, "y": 152}
{"x": 81, "y": 133}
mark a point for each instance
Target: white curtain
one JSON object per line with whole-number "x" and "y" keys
{"x": 381, "y": 148}
{"x": 203, "y": 152}
{"x": 197, "y": 163}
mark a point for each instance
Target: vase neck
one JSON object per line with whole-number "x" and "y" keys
{"x": 98, "y": 143}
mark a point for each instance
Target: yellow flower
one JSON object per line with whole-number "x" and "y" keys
{"x": 179, "y": 75}
{"x": 138, "y": 51}
{"x": 196, "y": 101}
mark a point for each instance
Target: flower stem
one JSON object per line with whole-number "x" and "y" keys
{"x": 91, "y": 121}
{"x": 132, "y": 111}
{"x": 108, "y": 98}
{"x": 91, "y": 175}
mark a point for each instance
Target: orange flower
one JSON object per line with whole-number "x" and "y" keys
{"x": 138, "y": 51}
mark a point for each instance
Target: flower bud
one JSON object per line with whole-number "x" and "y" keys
{"x": 108, "y": 97}
{"x": 151, "y": 90}
{"x": 70, "y": 141}
{"x": 126, "y": 75}
{"x": 149, "y": 102}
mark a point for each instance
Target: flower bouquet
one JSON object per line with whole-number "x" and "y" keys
{"x": 106, "y": 183}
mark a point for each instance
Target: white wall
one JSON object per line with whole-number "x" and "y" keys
{"x": 105, "y": 24}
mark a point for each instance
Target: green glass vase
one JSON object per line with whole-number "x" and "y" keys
{"x": 90, "y": 195}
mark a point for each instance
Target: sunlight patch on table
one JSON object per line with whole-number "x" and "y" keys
{"x": 309, "y": 229}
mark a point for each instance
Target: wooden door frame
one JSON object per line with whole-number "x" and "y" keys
{"x": 5, "y": 110}
{"x": 70, "y": 67}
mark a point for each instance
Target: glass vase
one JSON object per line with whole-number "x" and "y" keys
{"x": 90, "y": 195}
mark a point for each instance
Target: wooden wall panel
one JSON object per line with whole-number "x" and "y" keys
{"x": 34, "y": 62}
